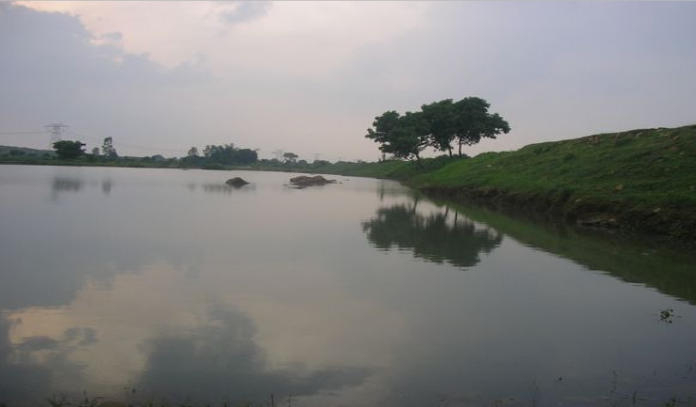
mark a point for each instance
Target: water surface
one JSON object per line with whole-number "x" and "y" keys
{"x": 170, "y": 283}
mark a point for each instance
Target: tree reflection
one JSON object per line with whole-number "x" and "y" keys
{"x": 438, "y": 237}
{"x": 64, "y": 184}
{"x": 226, "y": 189}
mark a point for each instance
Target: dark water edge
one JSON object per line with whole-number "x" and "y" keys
{"x": 667, "y": 266}
{"x": 673, "y": 226}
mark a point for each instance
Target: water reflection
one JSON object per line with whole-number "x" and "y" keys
{"x": 106, "y": 186}
{"x": 153, "y": 331}
{"x": 62, "y": 184}
{"x": 668, "y": 269}
{"x": 192, "y": 296}
{"x": 66, "y": 184}
{"x": 226, "y": 189}
{"x": 221, "y": 361}
{"x": 444, "y": 236}
{"x": 35, "y": 364}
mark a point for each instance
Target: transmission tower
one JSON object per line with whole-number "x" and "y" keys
{"x": 56, "y": 130}
{"x": 278, "y": 154}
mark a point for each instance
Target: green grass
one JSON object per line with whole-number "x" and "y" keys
{"x": 645, "y": 167}
{"x": 640, "y": 179}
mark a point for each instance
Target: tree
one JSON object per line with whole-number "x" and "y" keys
{"x": 473, "y": 122}
{"x": 383, "y": 125}
{"x": 228, "y": 154}
{"x": 95, "y": 151}
{"x": 402, "y": 136}
{"x": 193, "y": 152}
{"x": 108, "y": 149}
{"x": 440, "y": 118}
{"x": 410, "y": 136}
{"x": 290, "y": 158}
{"x": 437, "y": 125}
{"x": 246, "y": 156}
{"x": 68, "y": 150}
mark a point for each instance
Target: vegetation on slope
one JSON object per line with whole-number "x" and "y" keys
{"x": 643, "y": 180}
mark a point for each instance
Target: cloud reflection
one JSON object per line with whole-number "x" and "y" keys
{"x": 30, "y": 367}
{"x": 221, "y": 360}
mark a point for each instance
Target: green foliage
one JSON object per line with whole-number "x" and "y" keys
{"x": 290, "y": 158}
{"x": 69, "y": 150}
{"x": 108, "y": 149}
{"x": 646, "y": 167}
{"x": 473, "y": 122}
{"x": 402, "y": 136}
{"x": 440, "y": 117}
{"x": 437, "y": 125}
{"x": 228, "y": 154}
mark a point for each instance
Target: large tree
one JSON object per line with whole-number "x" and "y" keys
{"x": 383, "y": 125}
{"x": 402, "y": 136}
{"x": 437, "y": 125}
{"x": 473, "y": 122}
{"x": 69, "y": 150}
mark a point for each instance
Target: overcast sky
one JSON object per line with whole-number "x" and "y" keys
{"x": 309, "y": 77}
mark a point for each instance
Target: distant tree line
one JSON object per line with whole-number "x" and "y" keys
{"x": 439, "y": 125}
{"x": 225, "y": 154}
{"x": 222, "y": 156}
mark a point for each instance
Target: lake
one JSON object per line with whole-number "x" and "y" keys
{"x": 139, "y": 284}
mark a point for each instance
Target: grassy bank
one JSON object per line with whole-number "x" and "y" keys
{"x": 636, "y": 181}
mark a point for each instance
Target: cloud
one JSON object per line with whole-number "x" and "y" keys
{"x": 236, "y": 12}
{"x": 309, "y": 77}
{"x": 54, "y": 70}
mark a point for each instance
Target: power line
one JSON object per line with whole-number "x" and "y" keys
{"x": 13, "y": 133}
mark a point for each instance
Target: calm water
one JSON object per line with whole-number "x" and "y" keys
{"x": 359, "y": 293}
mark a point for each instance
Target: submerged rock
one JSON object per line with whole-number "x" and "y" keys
{"x": 306, "y": 181}
{"x": 236, "y": 182}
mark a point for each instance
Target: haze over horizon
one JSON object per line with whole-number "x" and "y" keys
{"x": 309, "y": 77}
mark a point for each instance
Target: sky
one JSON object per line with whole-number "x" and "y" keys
{"x": 310, "y": 77}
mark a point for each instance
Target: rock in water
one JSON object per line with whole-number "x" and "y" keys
{"x": 236, "y": 182}
{"x": 305, "y": 181}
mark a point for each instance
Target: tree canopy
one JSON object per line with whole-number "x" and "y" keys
{"x": 228, "y": 154}
{"x": 108, "y": 149}
{"x": 290, "y": 158}
{"x": 69, "y": 150}
{"x": 402, "y": 136}
{"x": 438, "y": 125}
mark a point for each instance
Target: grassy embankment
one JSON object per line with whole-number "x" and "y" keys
{"x": 639, "y": 180}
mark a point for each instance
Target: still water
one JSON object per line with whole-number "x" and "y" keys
{"x": 146, "y": 283}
